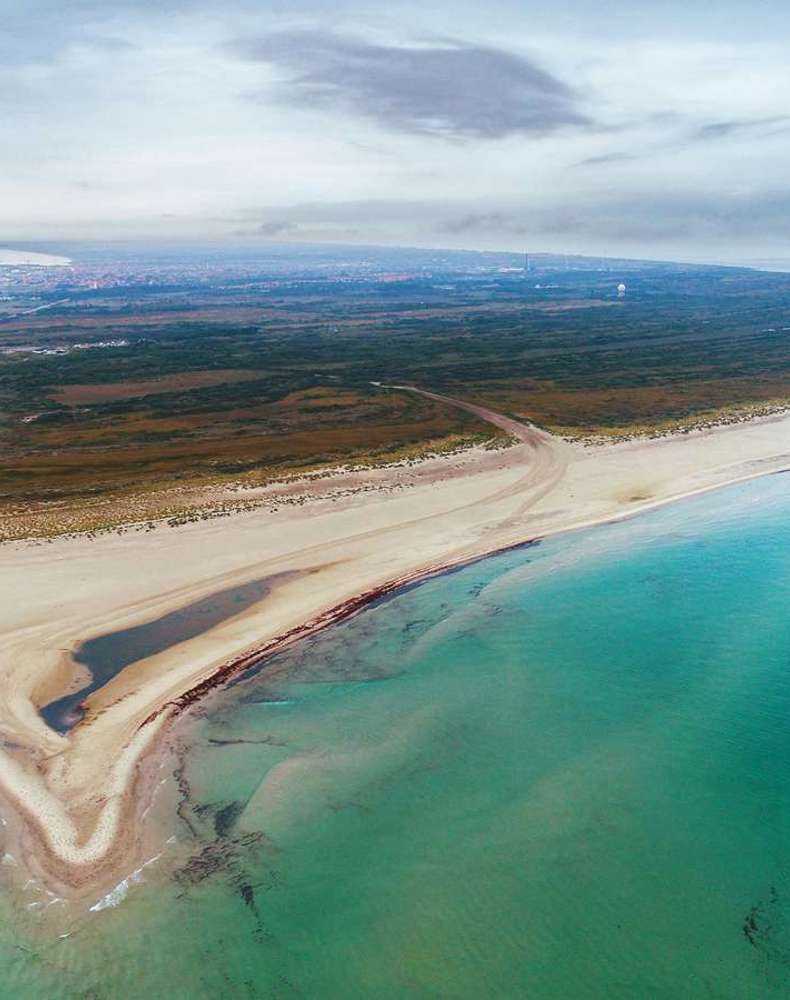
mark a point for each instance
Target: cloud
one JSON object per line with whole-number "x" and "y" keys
{"x": 593, "y": 222}
{"x": 650, "y": 218}
{"x": 41, "y": 36}
{"x": 108, "y": 43}
{"x": 725, "y": 129}
{"x": 452, "y": 90}
{"x": 475, "y": 222}
{"x": 599, "y": 161}
{"x": 275, "y": 228}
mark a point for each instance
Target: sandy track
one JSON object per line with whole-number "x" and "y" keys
{"x": 73, "y": 799}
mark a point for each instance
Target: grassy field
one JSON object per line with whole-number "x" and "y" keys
{"x": 151, "y": 389}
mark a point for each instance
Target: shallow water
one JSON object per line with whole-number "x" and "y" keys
{"x": 107, "y": 655}
{"x": 563, "y": 772}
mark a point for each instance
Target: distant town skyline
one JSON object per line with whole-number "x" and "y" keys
{"x": 612, "y": 128}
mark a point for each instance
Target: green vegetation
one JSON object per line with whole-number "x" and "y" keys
{"x": 227, "y": 382}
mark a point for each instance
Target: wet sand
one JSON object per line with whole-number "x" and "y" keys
{"x": 72, "y": 797}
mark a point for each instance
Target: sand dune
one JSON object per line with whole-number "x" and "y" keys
{"x": 73, "y": 799}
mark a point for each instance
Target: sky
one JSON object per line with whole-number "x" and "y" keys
{"x": 655, "y": 129}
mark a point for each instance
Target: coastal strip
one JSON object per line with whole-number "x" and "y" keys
{"x": 79, "y": 796}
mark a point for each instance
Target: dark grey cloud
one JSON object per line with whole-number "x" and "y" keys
{"x": 476, "y": 222}
{"x": 451, "y": 89}
{"x": 605, "y": 158}
{"x": 277, "y": 227}
{"x": 109, "y": 43}
{"x": 647, "y": 219}
{"x": 754, "y": 126}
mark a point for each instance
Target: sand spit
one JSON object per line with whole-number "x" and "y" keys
{"x": 75, "y": 802}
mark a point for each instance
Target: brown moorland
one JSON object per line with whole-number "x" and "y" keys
{"x": 76, "y": 395}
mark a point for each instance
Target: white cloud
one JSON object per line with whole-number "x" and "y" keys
{"x": 141, "y": 117}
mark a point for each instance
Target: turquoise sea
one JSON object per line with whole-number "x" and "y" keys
{"x": 562, "y": 773}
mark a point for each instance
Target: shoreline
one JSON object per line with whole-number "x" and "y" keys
{"x": 255, "y": 658}
{"x": 70, "y": 814}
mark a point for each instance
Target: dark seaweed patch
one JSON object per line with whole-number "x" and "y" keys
{"x": 218, "y": 856}
{"x": 751, "y": 928}
{"x": 765, "y": 927}
{"x": 225, "y": 818}
{"x": 270, "y": 741}
{"x": 234, "y": 858}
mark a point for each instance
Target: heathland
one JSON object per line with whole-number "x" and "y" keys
{"x": 132, "y": 389}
